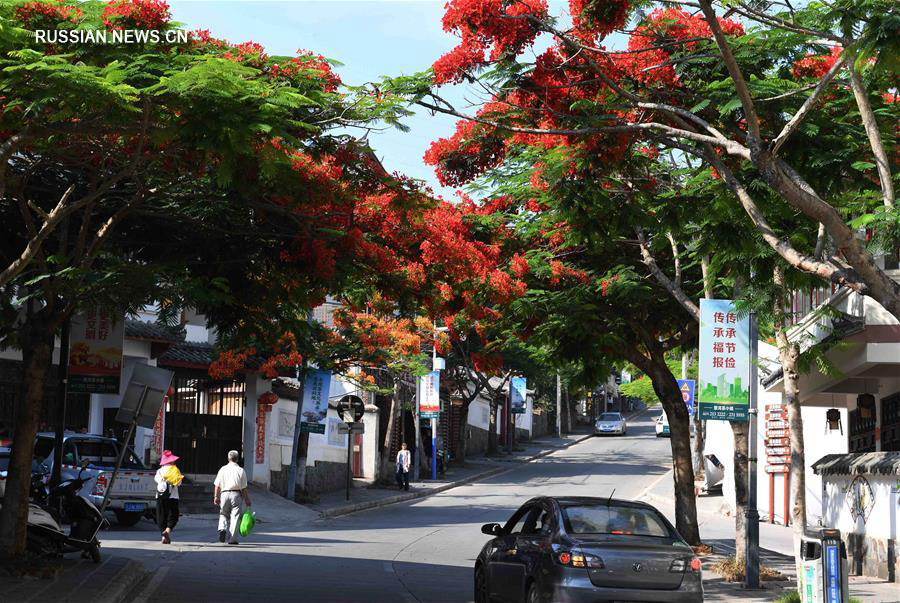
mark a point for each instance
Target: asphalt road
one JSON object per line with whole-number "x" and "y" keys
{"x": 422, "y": 550}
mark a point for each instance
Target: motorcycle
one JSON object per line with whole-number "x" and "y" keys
{"x": 45, "y": 534}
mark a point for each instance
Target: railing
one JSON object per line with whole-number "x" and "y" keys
{"x": 803, "y": 302}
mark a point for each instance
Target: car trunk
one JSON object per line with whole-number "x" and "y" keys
{"x": 636, "y": 562}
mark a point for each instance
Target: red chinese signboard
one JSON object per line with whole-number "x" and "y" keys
{"x": 95, "y": 352}
{"x": 778, "y": 442}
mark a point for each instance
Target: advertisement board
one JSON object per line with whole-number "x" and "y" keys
{"x": 724, "y": 371}
{"x": 316, "y": 388}
{"x": 429, "y": 395}
{"x": 517, "y": 395}
{"x": 95, "y": 352}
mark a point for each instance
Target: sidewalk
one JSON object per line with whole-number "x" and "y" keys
{"x": 75, "y": 580}
{"x": 776, "y": 551}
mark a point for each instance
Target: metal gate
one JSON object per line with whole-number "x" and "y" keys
{"x": 204, "y": 420}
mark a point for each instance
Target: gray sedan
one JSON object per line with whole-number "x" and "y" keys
{"x": 611, "y": 422}
{"x": 581, "y": 549}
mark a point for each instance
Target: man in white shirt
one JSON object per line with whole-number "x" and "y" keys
{"x": 231, "y": 489}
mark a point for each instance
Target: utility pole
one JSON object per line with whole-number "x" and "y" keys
{"x": 751, "y": 571}
{"x": 61, "y": 394}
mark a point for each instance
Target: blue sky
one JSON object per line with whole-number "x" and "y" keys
{"x": 371, "y": 38}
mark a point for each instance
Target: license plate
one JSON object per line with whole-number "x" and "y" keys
{"x": 135, "y": 507}
{"x": 665, "y": 430}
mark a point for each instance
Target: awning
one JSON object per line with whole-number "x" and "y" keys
{"x": 871, "y": 463}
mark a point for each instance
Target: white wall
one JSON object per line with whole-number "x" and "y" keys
{"x": 882, "y": 520}
{"x": 817, "y": 442}
{"x": 480, "y": 415}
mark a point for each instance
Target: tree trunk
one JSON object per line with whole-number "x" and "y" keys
{"x": 386, "y": 461}
{"x": 740, "y": 430}
{"x": 492, "y": 427}
{"x": 37, "y": 355}
{"x": 666, "y": 388}
{"x": 789, "y": 354}
{"x": 463, "y": 433}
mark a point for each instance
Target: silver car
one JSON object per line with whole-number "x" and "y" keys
{"x": 585, "y": 550}
{"x": 611, "y": 422}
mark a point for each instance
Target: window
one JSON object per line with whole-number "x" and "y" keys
{"x": 522, "y": 522}
{"x": 610, "y": 416}
{"x": 102, "y": 453}
{"x": 43, "y": 450}
{"x": 603, "y": 519}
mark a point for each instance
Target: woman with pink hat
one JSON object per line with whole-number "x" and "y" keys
{"x": 168, "y": 478}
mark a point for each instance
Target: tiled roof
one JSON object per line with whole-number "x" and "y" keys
{"x": 188, "y": 353}
{"x": 871, "y": 463}
{"x": 153, "y": 331}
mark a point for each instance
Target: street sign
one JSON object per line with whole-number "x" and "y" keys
{"x": 343, "y": 428}
{"x": 687, "y": 394}
{"x": 778, "y": 468}
{"x": 357, "y": 427}
{"x": 777, "y": 442}
{"x": 779, "y": 460}
{"x": 351, "y": 408}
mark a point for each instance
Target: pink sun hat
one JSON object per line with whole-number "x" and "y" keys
{"x": 168, "y": 458}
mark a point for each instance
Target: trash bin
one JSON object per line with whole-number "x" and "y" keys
{"x": 824, "y": 565}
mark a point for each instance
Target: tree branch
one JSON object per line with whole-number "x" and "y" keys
{"x": 871, "y": 126}
{"x": 664, "y": 280}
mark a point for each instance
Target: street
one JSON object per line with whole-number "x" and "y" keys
{"x": 418, "y": 551}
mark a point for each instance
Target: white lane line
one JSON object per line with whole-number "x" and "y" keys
{"x": 153, "y": 584}
{"x": 652, "y": 485}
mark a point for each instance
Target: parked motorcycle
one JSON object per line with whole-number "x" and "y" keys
{"x": 46, "y": 535}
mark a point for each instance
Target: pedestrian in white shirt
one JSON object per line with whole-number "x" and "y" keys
{"x": 403, "y": 467}
{"x": 230, "y": 489}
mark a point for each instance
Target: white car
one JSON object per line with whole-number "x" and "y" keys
{"x": 662, "y": 426}
{"x": 611, "y": 422}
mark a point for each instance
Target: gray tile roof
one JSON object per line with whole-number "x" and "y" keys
{"x": 153, "y": 331}
{"x": 188, "y": 353}
{"x": 871, "y": 463}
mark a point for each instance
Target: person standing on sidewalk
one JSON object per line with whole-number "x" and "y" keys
{"x": 403, "y": 465}
{"x": 167, "y": 478}
{"x": 230, "y": 489}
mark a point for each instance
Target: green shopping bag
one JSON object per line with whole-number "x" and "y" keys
{"x": 248, "y": 520}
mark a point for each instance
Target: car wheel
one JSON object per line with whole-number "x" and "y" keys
{"x": 127, "y": 519}
{"x": 482, "y": 590}
{"x": 533, "y": 596}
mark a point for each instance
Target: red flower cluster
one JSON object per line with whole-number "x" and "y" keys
{"x": 47, "y": 15}
{"x": 472, "y": 149}
{"x": 202, "y": 38}
{"x": 490, "y": 364}
{"x": 560, "y": 271}
{"x": 311, "y": 66}
{"x": 136, "y": 14}
{"x": 249, "y": 53}
{"x": 519, "y": 265}
{"x": 605, "y": 283}
{"x": 816, "y": 65}
{"x": 230, "y": 362}
{"x": 495, "y": 25}
{"x": 648, "y": 64}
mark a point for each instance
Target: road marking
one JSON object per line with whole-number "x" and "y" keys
{"x": 652, "y": 485}
{"x": 153, "y": 584}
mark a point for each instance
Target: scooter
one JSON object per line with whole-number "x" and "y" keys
{"x": 45, "y": 534}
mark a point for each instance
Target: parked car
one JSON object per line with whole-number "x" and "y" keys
{"x": 582, "y": 549}
{"x": 611, "y": 422}
{"x": 662, "y": 426}
{"x": 134, "y": 492}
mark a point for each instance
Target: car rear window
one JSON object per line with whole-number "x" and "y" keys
{"x": 102, "y": 453}
{"x": 610, "y": 416}
{"x": 603, "y": 519}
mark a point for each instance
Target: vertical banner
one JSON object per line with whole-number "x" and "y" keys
{"x": 687, "y": 394}
{"x": 724, "y": 388}
{"x": 316, "y": 388}
{"x": 95, "y": 352}
{"x": 429, "y": 395}
{"x": 517, "y": 395}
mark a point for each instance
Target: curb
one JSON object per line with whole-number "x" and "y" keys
{"x": 391, "y": 500}
{"x": 118, "y": 589}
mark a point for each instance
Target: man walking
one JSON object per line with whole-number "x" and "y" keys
{"x": 403, "y": 463}
{"x": 231, "y": 489}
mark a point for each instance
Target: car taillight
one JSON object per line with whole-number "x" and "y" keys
{"x": 579, "y": 559}
{"x": 680, "y": 565}
{"x": 100, "y": 485}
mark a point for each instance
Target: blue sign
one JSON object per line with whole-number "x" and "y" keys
{"x": 316, "y": 389}
{"x": 687, "y": 393}
{"x": 832, "y": 574}
{"x": 517, "y": 395}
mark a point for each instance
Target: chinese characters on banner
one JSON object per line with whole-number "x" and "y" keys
{"x": 264, "y": 406}
{"x": 95, "y": 352}
{"x": 517, "y": 395}
{"x": 778, "y": 439}
{"x": 429, "y": 395}
{"x": 316, "y": 389}
{"x": 724, "y": 389}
